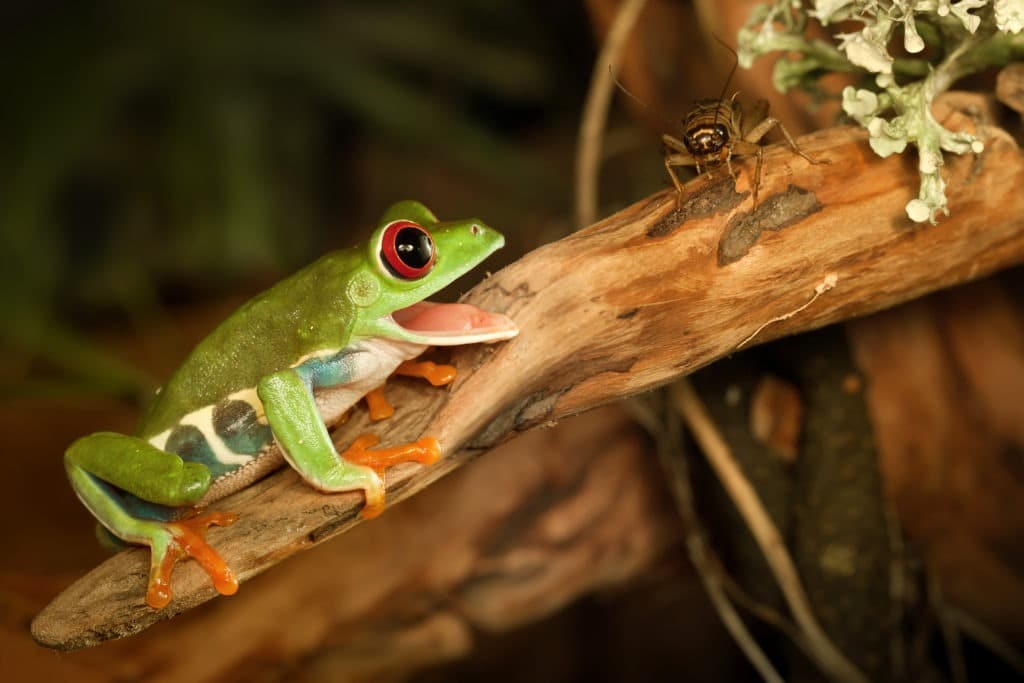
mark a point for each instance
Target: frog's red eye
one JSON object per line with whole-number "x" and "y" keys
{"x": 407, "y": 250}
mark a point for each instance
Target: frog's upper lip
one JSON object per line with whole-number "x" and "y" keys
{"x": 451, "y": 324}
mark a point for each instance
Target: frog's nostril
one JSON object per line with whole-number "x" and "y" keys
{"x": 475, "y": 229}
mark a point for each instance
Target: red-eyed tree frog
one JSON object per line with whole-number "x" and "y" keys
{"x": 267, "y": 382}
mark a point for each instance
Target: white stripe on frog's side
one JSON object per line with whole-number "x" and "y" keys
{"x": 251, "y": 397}
{"x": 322, "y": 353}
{"x": 373, "y": 361}
{"x": 202, "y": 419}
{"x": 160, "y": 440}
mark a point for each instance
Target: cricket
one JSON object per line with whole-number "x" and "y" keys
{"x": 716, "y": 130}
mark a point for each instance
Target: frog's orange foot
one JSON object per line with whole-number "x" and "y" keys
{"x": 378, "y": 405}
{"x": 188, "y": 539}
{"x": 437, "y": 375}
{"x": 425, "y": 451}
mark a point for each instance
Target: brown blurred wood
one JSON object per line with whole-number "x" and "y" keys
{"x": 639, "y": 299}
{"x": 946, "y": 395}
{"x": 777, "y": 416}
{"x": 1010, "y": 87}
{"x": 665, "y": 59}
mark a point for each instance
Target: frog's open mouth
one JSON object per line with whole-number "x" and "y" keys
{"x": 451, "y": 324}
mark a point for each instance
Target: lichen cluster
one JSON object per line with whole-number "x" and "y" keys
{"x": 942, "y": 41}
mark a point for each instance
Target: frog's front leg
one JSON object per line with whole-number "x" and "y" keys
{"x": 438, "y": 376}
{"x": 98, "y": 462}
{"x": 305, "y": 443}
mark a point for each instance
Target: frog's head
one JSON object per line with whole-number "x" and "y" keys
{"x": 411, "y": 256}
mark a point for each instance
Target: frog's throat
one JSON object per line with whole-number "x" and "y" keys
{"x": 436, "y": 324}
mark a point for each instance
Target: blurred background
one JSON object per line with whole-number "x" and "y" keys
{"x": 162, "y": 154}
{"x": 161, "y": 162}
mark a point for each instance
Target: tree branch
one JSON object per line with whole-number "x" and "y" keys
{"x": 644, "y": 297}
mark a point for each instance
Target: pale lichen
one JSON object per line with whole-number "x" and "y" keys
{"x": 945, "y": 39}
{"x": 1010, "y": 15}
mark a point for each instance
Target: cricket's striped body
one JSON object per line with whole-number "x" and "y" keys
{"x": 707, "y": 133}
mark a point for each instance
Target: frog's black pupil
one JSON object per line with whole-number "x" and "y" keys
{"x": 414, "y": 247}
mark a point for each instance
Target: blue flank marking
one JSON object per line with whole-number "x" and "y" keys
{"x": 137, "y": 507}
{"x": 236, "y": 424}
{"x": 329, "y": 371}
{"x": 188, "y": 442}
{"x": 249, "y": 441}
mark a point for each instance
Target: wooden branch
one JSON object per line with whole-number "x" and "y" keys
{"x": 635, "y": 301}
{"x": 1010, "y": 86}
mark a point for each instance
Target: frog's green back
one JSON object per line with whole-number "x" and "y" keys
{"x": 306, "y": 312}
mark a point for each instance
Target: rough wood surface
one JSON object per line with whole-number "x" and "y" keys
{"x": 641, "y": 298}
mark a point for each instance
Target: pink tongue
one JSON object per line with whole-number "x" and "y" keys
{"x": 431, "y": 317}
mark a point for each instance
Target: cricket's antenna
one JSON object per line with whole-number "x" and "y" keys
{"x": 732, "y": 73}
{"x": 638, "y": 100}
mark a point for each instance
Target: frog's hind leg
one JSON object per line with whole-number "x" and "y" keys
{"x": 438, "y": 375}
{"x": 98, "y": 463}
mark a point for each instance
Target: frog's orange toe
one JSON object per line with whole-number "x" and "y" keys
{"x": 158, "y": 594}
{"x": 374, "y": 502}
{"x": 189, "y": 540}
{"x": 437, "y": 375}
{"x": 371, "y": 511}
{"x": 378, "y": 405}
{"x": 425, "y": 451}
{"x": 430, "y": 450}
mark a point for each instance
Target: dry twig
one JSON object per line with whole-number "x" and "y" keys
{"x": 950, "y": 632}
{"x": 673, "y": 461}
{"x": 981, "y": 633}
{"x": 595, "y": 110}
